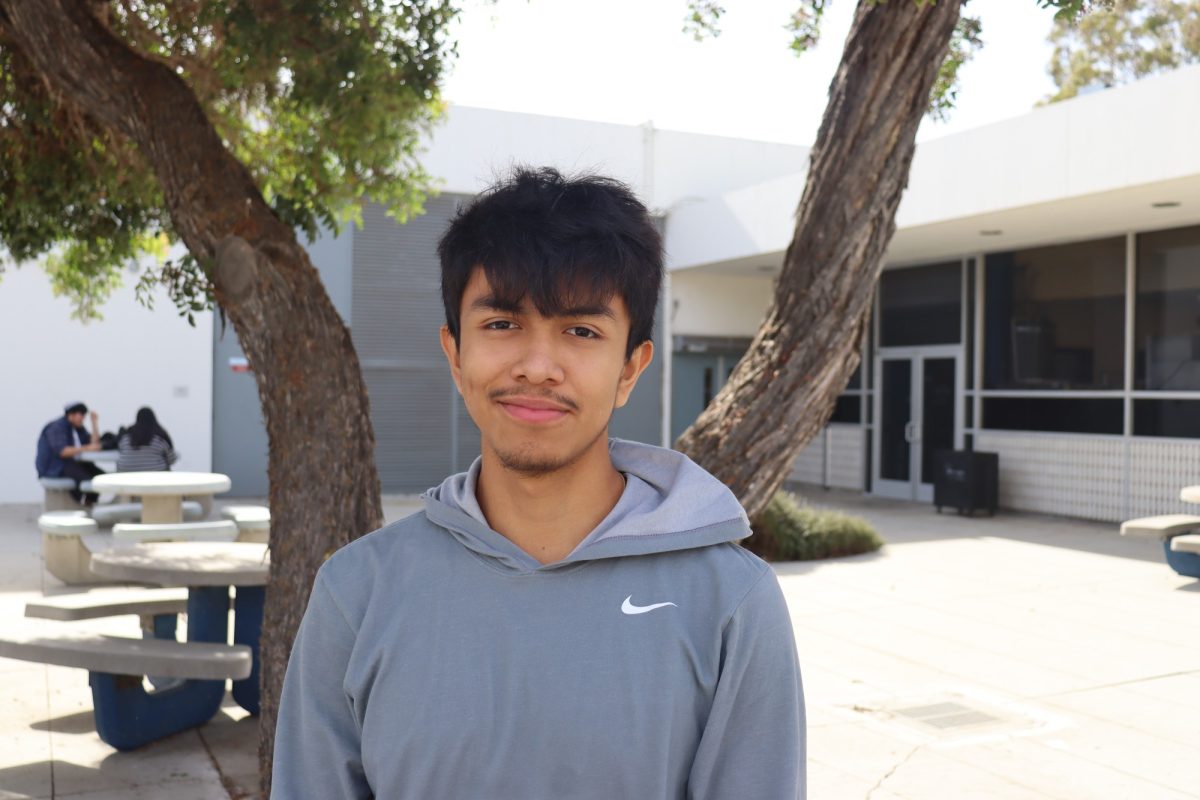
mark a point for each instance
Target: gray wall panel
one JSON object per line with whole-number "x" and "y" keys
{"x": 397, "y": 314}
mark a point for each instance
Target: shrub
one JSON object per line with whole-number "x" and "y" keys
{"x": 789, "y": 530}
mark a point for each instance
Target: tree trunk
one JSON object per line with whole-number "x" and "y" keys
{"x": 783, "y": 390}
{"x": 324, "y": 489}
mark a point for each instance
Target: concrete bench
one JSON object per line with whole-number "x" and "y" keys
{"x": 215, "y": 531}
{"x": 113, "y": 513}
{"x": 56, "y": 493}
{"x": 126, "y": 715}
{"x": 65, "y": 554}
{"x": 109, "y": 603}
{"x": 118, "y": 655}
{"x": 1187, "y": 543}
{"x": 1170, "y": 528}
{"x": 1163, "y": 526}
{"x": 253, "y": 522}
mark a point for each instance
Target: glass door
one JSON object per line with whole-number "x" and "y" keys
{"x": 893, "y": 456}
{"x": 918, "y": 416}
{"x": 936, "y": 427}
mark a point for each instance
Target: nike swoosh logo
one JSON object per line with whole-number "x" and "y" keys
{"x": 629, "y": 608}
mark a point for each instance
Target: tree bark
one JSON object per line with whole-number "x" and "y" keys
{"x": 324, "y": 488}
{"x": 783, "y": 390}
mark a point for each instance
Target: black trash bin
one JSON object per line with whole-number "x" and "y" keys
{"x": 966, "y": 480}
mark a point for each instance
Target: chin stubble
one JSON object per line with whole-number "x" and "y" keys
{"x": 532, "y": 465}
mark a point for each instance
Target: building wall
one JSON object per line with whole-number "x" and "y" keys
{"x": 835, "y": 459}
{"x": 134, "y": 357}
{"x": 717, "y": 305}
{"x": 1073, "y": 155}
{"x": 1104, "y": 478}
{"x": 1129, "y": 135}
{"x": 471, "y": 147}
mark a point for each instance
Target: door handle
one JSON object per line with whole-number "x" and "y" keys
{"x": 908, "y": 432}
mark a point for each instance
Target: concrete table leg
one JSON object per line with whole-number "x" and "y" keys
{"x": 159, "y": 509}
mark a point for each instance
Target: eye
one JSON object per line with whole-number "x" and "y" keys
{"x": 500, "y": 325}
{"x": 583, "y": 333}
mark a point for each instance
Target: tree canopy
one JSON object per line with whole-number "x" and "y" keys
{"x": 1122, "y": 41}
{"x": 324, "y": 103}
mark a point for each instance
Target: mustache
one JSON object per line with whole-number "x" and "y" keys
{"x": 544, "y": 394}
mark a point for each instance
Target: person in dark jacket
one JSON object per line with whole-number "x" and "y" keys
{"x": 60, "y": 444}
{"x": 145, "y": 446}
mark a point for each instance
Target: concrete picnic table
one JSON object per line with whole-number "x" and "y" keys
{"x": 107, "y": 457}
{"x": 207, "y": 569}
{"x": 162, "y": 493}
{"x": 1190, "y": 494}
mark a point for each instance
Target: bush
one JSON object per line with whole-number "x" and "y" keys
{"x": 788, "y": 530}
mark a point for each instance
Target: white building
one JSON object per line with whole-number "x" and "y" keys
{"x": 1041, "y": 300}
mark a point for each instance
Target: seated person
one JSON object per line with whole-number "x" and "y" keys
{"x": 145, "y": 446}
{"x": 59, "y": 446}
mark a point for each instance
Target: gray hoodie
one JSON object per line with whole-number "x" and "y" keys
{"x": 438, "y": 660}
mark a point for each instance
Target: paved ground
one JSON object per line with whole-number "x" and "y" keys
{"x": 1016, "y": 657}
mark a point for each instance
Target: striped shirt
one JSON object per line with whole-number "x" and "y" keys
{"x": 153, "y": 457}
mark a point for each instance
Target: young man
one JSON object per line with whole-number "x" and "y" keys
{"x": 60, "y": 444}
{"x": 572, "y": 617}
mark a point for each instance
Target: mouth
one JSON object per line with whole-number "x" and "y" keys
{"x": 528, "y": 409}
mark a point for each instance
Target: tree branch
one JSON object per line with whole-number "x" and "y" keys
{"x": 782, "y": 392}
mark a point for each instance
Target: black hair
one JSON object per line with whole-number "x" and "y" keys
{"x": 562, "y": 242}
{"x": 145, "y": 428}
{"x": 74, "y": 408}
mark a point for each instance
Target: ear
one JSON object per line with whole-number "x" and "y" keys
{"x": 635, "y": 365}
{"x": 450, "y": 348}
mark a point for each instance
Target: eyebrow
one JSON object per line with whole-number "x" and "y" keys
{"x": 489, "y": 302}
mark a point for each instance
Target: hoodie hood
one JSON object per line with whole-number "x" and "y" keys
{"x": 669, "y": 503}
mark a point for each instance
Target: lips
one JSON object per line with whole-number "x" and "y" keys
{"x": 532, "y": 410}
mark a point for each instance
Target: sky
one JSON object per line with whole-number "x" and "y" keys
{"x": 629, "y": 61}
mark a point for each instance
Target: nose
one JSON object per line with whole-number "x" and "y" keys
{"x": 537, "y": 363}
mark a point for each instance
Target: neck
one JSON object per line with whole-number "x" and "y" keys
{"x": 548, "y": 515}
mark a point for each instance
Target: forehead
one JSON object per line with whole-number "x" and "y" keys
{"x": 567, "y": 300}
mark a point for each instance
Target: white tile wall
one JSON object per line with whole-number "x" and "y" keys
{"x": 845, "y": 466}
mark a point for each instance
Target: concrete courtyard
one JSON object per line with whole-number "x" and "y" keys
{"x": 1014, "y": 657}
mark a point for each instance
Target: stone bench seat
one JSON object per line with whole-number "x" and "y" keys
{"x": 118, "y": 655}
{"x": 63, "y": 550}
{"x": 1169, "y": 529}
{"x": 253, "y": 522}
{"x": 1187, "y": 543}
{"x": 1163, "y": 526}
{"x": 67, "y": 523}
{"x": 109, "y": 603}
{"x": 113, "y": 513}
{"x": 214, "y": 531}
{"x": 57, "y": 493}
{"x": 248, "y": 517}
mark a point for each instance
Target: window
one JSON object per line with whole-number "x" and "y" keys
{"x": 1179, "y": 418}
{"x": 1055, "y": 317}
{"x": 921, "y": 305}
{"x": 1167, "y": 320}
{"x": 1058, "y": 415}
{"x": 847, "y": 409}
